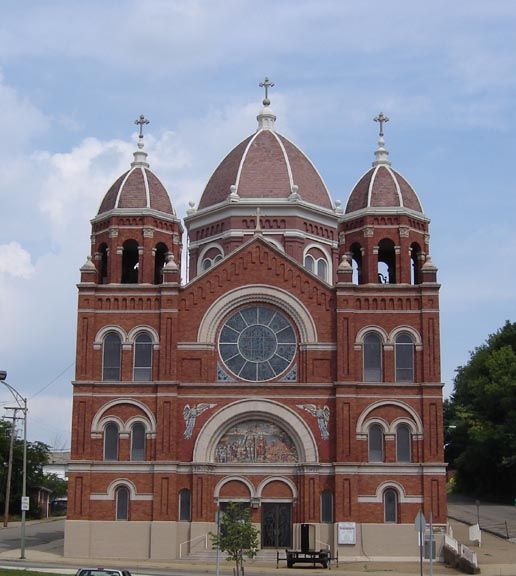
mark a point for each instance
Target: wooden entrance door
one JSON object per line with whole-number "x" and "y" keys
{"x": 276, "y": 525}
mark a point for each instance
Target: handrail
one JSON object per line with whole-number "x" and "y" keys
{"x": 205, "y": 536}
{"x": 324, "y": 544}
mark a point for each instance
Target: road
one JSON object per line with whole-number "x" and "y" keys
{"x": 40, "y": 535}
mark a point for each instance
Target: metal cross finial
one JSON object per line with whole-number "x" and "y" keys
{"x": 141, "y": 121}
{"x": 382, "y": 119}
{"x": 266, "y": 84}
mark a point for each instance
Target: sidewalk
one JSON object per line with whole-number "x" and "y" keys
{"x": 497, "y": 557}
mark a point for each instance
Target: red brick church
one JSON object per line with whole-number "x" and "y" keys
{"x": 296, "y": 369}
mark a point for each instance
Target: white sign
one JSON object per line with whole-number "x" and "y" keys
{"x": 347, "y": 533}
{"x": 25, "y": 503}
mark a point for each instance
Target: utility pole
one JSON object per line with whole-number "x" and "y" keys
{"x": 9, "y": 468}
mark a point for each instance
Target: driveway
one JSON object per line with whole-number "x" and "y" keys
{"x": 46, "y": 535}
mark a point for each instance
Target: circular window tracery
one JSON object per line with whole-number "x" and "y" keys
{"x": 257, "y": 343}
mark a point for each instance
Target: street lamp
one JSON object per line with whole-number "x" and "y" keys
{"x": 22, "y": 406}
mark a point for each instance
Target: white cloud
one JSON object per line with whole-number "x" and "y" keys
{"x": 15, "y": 260}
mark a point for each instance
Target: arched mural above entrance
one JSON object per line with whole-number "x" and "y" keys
{"x": 219, "y": 437}
{"x": 256, "y": 441}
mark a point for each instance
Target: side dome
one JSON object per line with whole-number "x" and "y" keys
{"x": 266, "y": 165}
{"x": 383, "y": 187}
{"x": 138, "y": 188}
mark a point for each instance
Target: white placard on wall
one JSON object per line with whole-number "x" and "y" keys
{"x": 347, "y": 533}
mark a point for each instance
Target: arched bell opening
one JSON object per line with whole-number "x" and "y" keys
{"x": 356, "y": 262}
{"x": 130, "y": 262}
{"x": 416, "y": 263}
{"x": 160, "y": 258}
{"x": 386, "y": 262}
{"x": 103, "y": 268}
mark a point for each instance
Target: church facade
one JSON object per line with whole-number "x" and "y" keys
{"x": 296, "y": 370}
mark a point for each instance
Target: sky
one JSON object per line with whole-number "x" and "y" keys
{"x": 75, "y": 75}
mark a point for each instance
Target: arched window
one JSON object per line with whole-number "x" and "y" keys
{"x": 111, "y": 357}
{"x": 322, "y": 269}
{"x": 103, "y": 272}
{"x": 403, "y": 441}
{"x": 185, "y": 505}
{"x": 356, "y": 262}
{"x": 386, "y": 262}
{"x": 372, "y": 357}
{"x": 309, "y": 263}
{"x": 111, "y": 436}
{"x": 122, "y": 503}
{"x": 206, "y": 264}
{"x": 143, "y": 358}
{"x": 404, "y": 358}
{"x": 390, "y": 505}
{"x": 375, "y": 443}
{"x": 130, "y": 262}
{"x": 217, "y": 258}
{"x": 415, "y": 258}
{"x": 137, "y": 441}
{"x": 160, "y": 258}
{"x": 326, "y": 506}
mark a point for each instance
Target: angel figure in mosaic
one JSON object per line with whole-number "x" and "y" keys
{"x": 322, "y": 415}
{"x": 190, "y": 414}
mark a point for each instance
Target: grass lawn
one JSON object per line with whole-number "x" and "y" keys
{"x": 23, "y": 572}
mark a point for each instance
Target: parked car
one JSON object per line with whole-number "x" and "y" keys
{"x": 102, "y": 572}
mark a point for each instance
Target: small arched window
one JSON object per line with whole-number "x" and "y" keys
{"x": 322, "y": 269}
{"x": 206, "y": 264}
{"x": 111, "y": 357}
{"x": 390, "y": 506}
{"x": 137, "y": 441}
{"x": 103, "y": 272}
{"x": 309, "y": 263}
{"x": 185, "y": 505}
{"x": 143, "y": 346}
{"x": 403, "y": 441}
{"x": 404, "y": 358}
{"x": 160, "y": 258}
{"x": 326, "y": 507}
{"x": 122, "y": 503}
{"x": 375, "y": 443}
{"x": 372, "y": 357}
{"x": 111, "y": 440}
{"x": 130, "y": 262}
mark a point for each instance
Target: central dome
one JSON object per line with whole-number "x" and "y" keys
{"x": 266, "y": 165}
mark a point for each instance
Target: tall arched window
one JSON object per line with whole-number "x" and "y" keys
{"x": 160, "y": 258}
{"x": 403, "y": 441}
{"x": 375, "y": 443}
{"x": 185, "y": 505}
{"x": 122, "y": 503}
{"x": 372, "y": 357}
{"x": 111, "y": 357}
{"x": 130, "y": 262}
{"x": 326, "y": 506}
{"x": 404, "y": 358}
{"x": 142, "y": 358}
{"x": 390, "y": 505}
{"x": 111, "y": 437}
{"x": 137, "y": 441}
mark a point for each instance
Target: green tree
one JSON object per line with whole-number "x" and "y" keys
{"x": 37, "y": 457}
{"x": 480, "y": 419}
{"x": 237, "y": 537}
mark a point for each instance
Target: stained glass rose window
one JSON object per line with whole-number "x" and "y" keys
{"x": 257, "y": 343}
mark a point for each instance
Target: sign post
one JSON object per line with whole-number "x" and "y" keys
{"x": 420, "y": 524}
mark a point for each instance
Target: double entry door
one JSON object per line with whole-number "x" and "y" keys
{"x": 276, "y": 525}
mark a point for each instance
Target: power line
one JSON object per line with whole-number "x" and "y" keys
{"x": 52, "y": 381}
